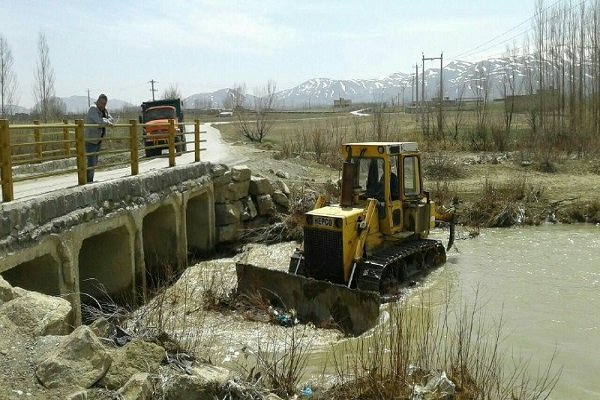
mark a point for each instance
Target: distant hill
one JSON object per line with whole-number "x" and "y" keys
{"x": 19, "y": 109}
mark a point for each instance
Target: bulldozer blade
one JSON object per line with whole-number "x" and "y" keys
{"x": 320, "y": 302}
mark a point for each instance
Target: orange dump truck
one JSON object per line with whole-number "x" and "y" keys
{"x": 156, "y": 116}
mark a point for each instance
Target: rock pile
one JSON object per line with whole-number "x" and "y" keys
{"x": 244, "y": 201}
{"x": 40, "y": 359}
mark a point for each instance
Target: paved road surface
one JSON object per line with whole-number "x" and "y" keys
{"x": 216, "y": 151}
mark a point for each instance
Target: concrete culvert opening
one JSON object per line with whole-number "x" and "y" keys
{"x": 160, "y": 246}
{"x": 198, "y": 226}
{"x": 42, "y": 274}
{"x": 106, "y": 271}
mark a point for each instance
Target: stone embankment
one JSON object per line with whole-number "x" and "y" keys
{"x": 40, "y": 359}
{"x": 244, "y": 201}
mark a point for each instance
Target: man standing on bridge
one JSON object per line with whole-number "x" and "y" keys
{"x": 99, "y": 115}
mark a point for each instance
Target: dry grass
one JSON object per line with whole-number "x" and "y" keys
{"x": 439, "y": 166}
{"x": 580, "y": 211}
{"x": 503, "y": 204}
{"x": 278, "y": 365}
{"x": 416, "y": 341}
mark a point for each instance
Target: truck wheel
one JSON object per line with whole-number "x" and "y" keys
{"x": 153, "y": 152}
{"x": 182, "y": 146}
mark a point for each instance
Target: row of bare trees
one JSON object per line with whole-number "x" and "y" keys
{"x": 565, "y": 44}
{"x": 47, "y": 105}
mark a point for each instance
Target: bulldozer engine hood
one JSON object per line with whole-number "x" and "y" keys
{"x": 332, "y": 216}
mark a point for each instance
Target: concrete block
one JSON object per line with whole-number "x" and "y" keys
{"x": 260, "y": 185}
{"x": 227, "y": 213}
{"x": 240, "y": 173}
{"x": 264, "y": 204}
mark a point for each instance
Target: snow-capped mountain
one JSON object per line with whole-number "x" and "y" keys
{"x": 462, "y": 79}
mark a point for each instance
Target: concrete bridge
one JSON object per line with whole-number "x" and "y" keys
{"x": 112, "y": 239}
{"x": 116, "y": 239}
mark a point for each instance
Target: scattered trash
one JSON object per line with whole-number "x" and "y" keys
{"x": 121, "y": 336}
{"x": 306, "y": 392}
{"x": 287, "y": 318}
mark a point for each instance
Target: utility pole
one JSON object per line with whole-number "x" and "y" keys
{"x": 89, "y": 103}
{"x": 152, "y": 82}
{"x": 441, "y": 99}
{"x": 417, "y": 83}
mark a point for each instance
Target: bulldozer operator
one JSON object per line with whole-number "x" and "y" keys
{"x": 376, "y": 182}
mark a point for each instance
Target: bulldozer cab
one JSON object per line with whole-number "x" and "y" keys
{"x": 389, "y": 172}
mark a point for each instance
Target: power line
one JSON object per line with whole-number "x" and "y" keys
{"x": 477, "y": 48}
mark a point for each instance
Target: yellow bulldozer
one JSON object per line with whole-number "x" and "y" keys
{"x": 367, "y": 247}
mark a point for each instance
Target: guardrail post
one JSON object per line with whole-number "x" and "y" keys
{"x": 5, "y": 152}
{"x": 37, "y": 138}
{"x": 66, "y": 138}
{"x": 81, "y": 160}
{"x": 171, "y": 143}
{"x": 133, "y": 145}
{"x": 197, "y": 140}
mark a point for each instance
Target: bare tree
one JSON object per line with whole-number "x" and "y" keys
{"x": 256, "y": 126}
{"x": 8, "y": 79}
{"x": 43, "y": 90}
{"x": 172, "y": 92}
{"x": 508, "y": 86}
{"x": 455, "y": 124}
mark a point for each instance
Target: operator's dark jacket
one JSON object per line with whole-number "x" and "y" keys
{"x": 95, "y": 116}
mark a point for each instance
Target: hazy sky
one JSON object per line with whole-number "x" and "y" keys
{"x": 116, "y": 46}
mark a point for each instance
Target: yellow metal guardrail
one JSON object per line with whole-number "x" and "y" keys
{"x": 36, "y": 143}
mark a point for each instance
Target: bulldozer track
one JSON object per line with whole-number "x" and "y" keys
{"x": 387, "y": 269}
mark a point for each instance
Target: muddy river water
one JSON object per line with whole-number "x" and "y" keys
{"x": 545, "y": 281}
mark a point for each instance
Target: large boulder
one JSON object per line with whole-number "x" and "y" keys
{"x": 232, "y": 191}
{"x": 240, "y": 173}
{"x": 227, "y": 214}
{"x": 239, "y": 190}
{"x": 281, "y": 199}
{"x": 223, "y": 180}
{"x": 264, "y": 204}
{"x": 217, "y": 170}
{"x": 260, "y": 186}
{"x": 222, "y": 194}
{"x": 138, "y": 387}
{"x": 281, "y": 186}
{"x": 80, "y": 360}
{"x": 203, "y": 383}
{"x": 228, "y": 233}
{"x": 137, "y": 356}
{"x": 7, "y": 292}
{"x": 39, "y": 314}
{"x": 248, "y": 209}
